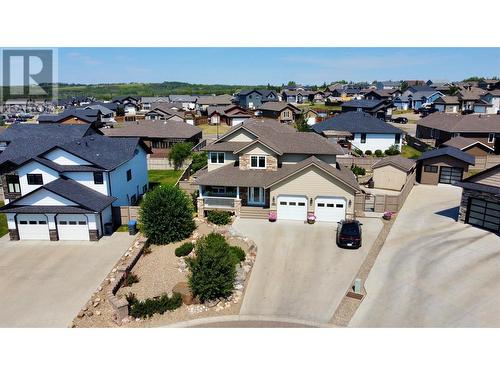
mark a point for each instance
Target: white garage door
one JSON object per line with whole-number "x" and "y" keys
{"x": 32, "y": 227}
{"x": 330, "y": 209}
{"x": 72, "y": 227}
{"x": 292, "y": 207}
{"x": 236, "y": 121}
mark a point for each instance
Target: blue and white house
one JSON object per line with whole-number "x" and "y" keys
{"x": 416, "y": 99}
{"x": 60, "y": 182}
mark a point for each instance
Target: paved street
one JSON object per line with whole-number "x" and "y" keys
{"x": 44, "y": 284}
{"x": 432, "y": 270}
{"x": 299, "y": 271}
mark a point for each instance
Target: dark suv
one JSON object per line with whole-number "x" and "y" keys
{"x": 349, "y": 234}
{"x": 400, "y": 120}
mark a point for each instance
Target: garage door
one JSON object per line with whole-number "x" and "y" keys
{"x": 484, "y": 214}
{"x": 449, "y": 175}
{"x": 72, "y": 227}
{"x": 292, "y": 208}
{"x": 330, "y": 209}
{"x": 32, "y": 227}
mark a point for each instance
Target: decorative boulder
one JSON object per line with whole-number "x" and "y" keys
{"x": 183, "y": 289}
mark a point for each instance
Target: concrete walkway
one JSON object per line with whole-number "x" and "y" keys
{"x": 300, "y": 273}
{"x": 432, "y": 270}
{"x": 45, "y": 284}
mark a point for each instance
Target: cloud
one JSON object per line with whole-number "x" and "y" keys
{"x": 83, "y": 58}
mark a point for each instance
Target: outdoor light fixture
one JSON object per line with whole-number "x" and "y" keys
{"x": 274, "y": 201}
{"x": 350, "y": 203}
{"x": 310, "y": 201}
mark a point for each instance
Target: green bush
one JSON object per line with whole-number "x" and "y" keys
{"x": 179, "y": 153}
{"x": 379, "y": 153}
{"x": 237, "y": 253}
{"x": 358, "y": 171}
{"x": 219, "y": 217}
{"x": 368, "y": 152}
{"x": 213, "y": 269}
{"x": 392, "y": 150}
{"x": 184, "y": 249}
{"x": 166, "y": 215}
{"x": 131, "y": 278}
{"x": 200, "y": 160}
{"x": 151, "y": 306}
{"x": 357, "y": 151}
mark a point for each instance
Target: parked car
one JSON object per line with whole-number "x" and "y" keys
{"x": 400, "y": 120}
{"x": 467, "y": 112}
{"x": 349, "y": 234}
{"x": 426, "y": 111}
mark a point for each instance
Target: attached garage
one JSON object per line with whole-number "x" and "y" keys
{"x": 72, "y": 227}
{"x": 292, "y": 207}
{"x": 330, "y": 209}
{"x": 484, "y": 214}
{"x": 32, "y": 227}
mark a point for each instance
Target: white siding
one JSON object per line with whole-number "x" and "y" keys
{"x": 44, "y": 198}
{"x": 375, "y": 142}
{"x": 229, "y": 158}
{"x": 48, "y": 175}
{"x": 62, "y": 157}
{"x": 87, "y": 179}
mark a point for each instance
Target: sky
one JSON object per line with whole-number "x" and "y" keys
{"x": 252, "y": 66}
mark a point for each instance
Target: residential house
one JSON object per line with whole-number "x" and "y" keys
{"x": 387, "y": 94}
{"x": 170, "y": 112}
{"x": 334, "y": 86}
{"x": 378, "y": 108}
{"x": 188, "y": 102}
{"x": 74, "y": 116}
{"x": 388, "y": 85}
{"x": 480, "y": 203}
{"x": 492, "y": 98}
{"x": 231, "y": 115}
{"x": 149, "y": 101}
{"x": 311, "y": 116}
{"x": 282, "y": 111}
{"x": 441, "y": 127}
{"x": 414, "y": 82}
{"x": 346, "y": 94}
{"x": 446, "y": 165}
{"x": 203, "y": 102}
{"x": 469, "y": 96}
{"x": 469, "y": 145}
{"x": 489, "y": 84}
{"x": 392, "y": 172}
{"x": 255, "y": 98}
{"x": 263, "y": 166}
{"x": 60, "y": 182}
{"x": 158, "y": 135}
{"x": 447, "y": 104}
{"x": 297, "y": 96}
{"x": 419, "y": 98}
{"x": 107, "y": 115}
{"x": 363, "y": 131}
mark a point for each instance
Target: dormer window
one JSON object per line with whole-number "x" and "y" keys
{"x": 257, "y": 162}
{"x": 217, "y": 158}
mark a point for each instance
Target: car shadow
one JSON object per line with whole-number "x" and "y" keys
{"x": 452, "y": 213}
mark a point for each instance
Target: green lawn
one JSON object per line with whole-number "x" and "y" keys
{"x": 164, "y": 177}
{"x": 409, "y": 152}
{"x": 319, "y": 107}
{"x": 212, "y": 129}
{"x": 3, "y": 223}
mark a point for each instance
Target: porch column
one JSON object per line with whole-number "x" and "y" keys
{"x": 200, "y": 190}
{"x": 238, "y": 192}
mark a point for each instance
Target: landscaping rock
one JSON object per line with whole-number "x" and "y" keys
{"x": 183, "y": 289}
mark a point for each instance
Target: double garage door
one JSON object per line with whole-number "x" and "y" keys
{"x": 330, "y": 209}
{"x": 484, "y": 214}
{"x": 69, "y": 227}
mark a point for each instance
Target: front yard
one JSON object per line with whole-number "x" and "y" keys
{"x": 213, "y": 129}
{"x": 3, "y": 223}
{"x": 164, "y": 177}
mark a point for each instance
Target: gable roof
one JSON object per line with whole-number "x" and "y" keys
{"x": 448, "y": 151}
{"x": 456, "y": 123}
{"x": 183, "y": 98}
{"x": 155, "y": 129}
{"x": 474, "y": 177}
{"x": 356, "y": 122}
{"x": 87, "y": 115}
{"x": 397, "y": 161}
{"x": 462, "y": 143}
{"x": 278, "y": 107}
{"x": 365, "y": 103}
{"x": 215, "y": 100}
{"x": 447, "y": 100}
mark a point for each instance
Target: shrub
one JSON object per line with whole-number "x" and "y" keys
{"x": 131, "y": 278}
{"x": 357, "y": 151}
{"x": 166, "y": 215}
{"x": 213, "y": 269}
{"x": 379, "y": 153}
{"x": 200, "y": 160}
{"x": 219, "y": 217}
{"x": 392, "y": 150}
{"x": 368, "y": 152}
{"x": 184, "y": 249}
{"x": 179, "y": 153}
{"x": 151, "y": 306}
{"x": 358, "y": 171}
{"x": 237, "y": 253}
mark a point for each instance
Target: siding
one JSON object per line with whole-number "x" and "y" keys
{"x": 375, "y": 141}
{"x": 48, "y": 175}
{"x": 491, "y": 178}
{"x": 229, "y": 158}
{"x": 240, "y": 136}
{"x": 62, "y": 157}
{"x": 87, "y": 179}
{"x": 442, "y": 161}
{"x": 389, "y": 177}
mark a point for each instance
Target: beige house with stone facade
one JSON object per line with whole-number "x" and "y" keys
{"x": 265, "y": 166}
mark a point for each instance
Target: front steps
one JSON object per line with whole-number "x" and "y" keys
{"x": 249, "y": 212}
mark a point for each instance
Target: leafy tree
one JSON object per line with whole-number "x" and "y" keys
{"x": 213, "y": 269}
{"x": 291, "y": 84}
{"x": 166, "y": 215}
{"x": 392, "y": 150}
{"x": 404, "y": 85}
{"x": 179, "y": 153}
{"x": 199, "y": 161}
{"x": 120, "y": 110}
{"x": 301, "y": 124}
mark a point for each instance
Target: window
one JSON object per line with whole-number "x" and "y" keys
{"x": 456, "y": 135}
{"x": 282, "y": 203}
{"x": 339, "y": 205}
{"x": 292, "y": 203}
{"x": 23, "y": 222}
{"x": 63, "y": 223}
{"x": 42, "y": 222}
{"x": 129, "y": 175}
{"x": 13, "y": 185}
{"x": 82, "y": 223}
{"x": 35, "y": 179}
{"x": 397, "y": 139}
{"x": 32, "y": 222}
{"x": 330, "y": 205}
{"x": 98, "y": 178}
{"x": 321, "y": 205}
{"x": 218, "y": 189}
{"x": 491, "y": 137}
{"x": 363, "y": 137}
{"x": 217, "y": 157}
{"x": 72, "y": 223}
{"x": 258, "y": 162}
{"x": 430, "y": 168}
{"x": 301, "y": 204}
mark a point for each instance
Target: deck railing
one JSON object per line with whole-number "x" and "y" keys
{"x": 219, "y": 202}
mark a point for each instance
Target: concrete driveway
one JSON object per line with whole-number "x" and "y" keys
{"x": 432, "y": 270}
{"x": 45, "y": 284}
{"x": 299, "y": 272}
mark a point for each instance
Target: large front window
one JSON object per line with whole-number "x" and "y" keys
{"x": 217, "y": 157}
{"x": 13, "y": 185}
{"x": 258, "y": 162}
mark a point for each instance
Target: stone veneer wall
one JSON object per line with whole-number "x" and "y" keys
{"x": 271, "y": 162}
{"x": 6, "y": 194}
{"x": 467, "y": 194}
{"x": 94, "y": 235}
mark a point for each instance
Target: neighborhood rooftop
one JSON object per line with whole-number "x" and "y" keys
{"x": 356, "y": 122}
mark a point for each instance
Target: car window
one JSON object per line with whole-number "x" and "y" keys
{"x": 350, "y": 229}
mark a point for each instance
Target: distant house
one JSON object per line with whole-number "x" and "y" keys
{"x": 148, "y": 101}
{"x": 489, "y": 84}
{"x": 203, "y": 102}
{"x": 281, "y": 111}
{"x": 168, "y": 111}
{"x": 419, "y": 98}
{"x": 297, "y": 96}
{"x": 311, "y": 116}
{"x": 74, "y": 116}
{"x": 388, "y": 85}
{"x": 480, "y": 203}
{"x": 445, "y": 165}
{"x": 255, "y": 98}
{"x": 447, "y": 104}
{"x": 378, "y": 108}
{"x": 231, "y": 115}
{"x": 469, "y": 145}
{"x": 382, "y": 94}
{"x": 492, "y": 98}
{"x": 469, "y": 96}
{"x": 188, "y": 102}
{"x": 363, "y": 131}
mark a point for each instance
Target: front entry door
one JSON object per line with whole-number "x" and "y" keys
{"x": 256, "y": 196}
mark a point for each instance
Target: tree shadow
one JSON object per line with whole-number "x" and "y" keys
{"x": 452, "y": 213}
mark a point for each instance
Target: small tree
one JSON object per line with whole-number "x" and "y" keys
{"x": 179, "y": 153}
{"x": 199, "y": 161}
{"x": 166, "y": 215}
{"x": 301, "y": 124}
{"x": 213, "y": 269}
{"x": 120, "y": 111}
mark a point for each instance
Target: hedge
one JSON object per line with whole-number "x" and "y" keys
{"x": 184, "y": 249}
{"x": 219, "y": 217}
{"x": 151, "y": 306}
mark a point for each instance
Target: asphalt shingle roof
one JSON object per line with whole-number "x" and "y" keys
{"x": 356, "y": 122}
{"x": 396, "y": 161}
{"x": 462, "y": 142}
{"x": 155, "y": 129}
{"x": 456, "y": 123}
{"x": 448, "y": 151}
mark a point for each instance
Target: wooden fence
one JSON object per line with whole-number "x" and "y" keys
{"x": 485, "y": 162}
{"x": 365, "y": 162}
{"x": 123, "y": 214}
{"x": 162, "y": 163}
{"x": 421, "y": 145}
